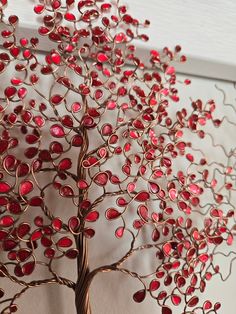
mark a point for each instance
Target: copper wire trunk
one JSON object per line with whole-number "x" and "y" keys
{"x": 82, "y": 286}
{"x": 83, "y": 282}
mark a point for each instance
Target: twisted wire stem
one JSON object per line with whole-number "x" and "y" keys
{"x": 83, "y": 282}
{"x": 82, "y": 285}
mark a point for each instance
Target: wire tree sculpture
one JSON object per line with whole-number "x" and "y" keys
{"x": 132, "y": 164}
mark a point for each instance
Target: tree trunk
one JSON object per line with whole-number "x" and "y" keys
{"x": 82, "y": 286}
{"x": 82, "y": 299}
